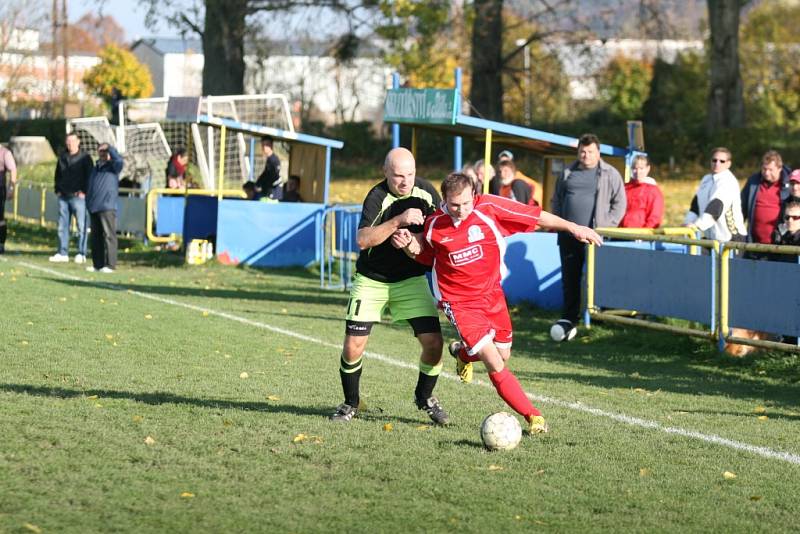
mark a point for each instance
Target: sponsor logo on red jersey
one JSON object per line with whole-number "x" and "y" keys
{"x": 466, "y": 255}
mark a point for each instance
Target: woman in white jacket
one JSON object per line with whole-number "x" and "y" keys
{"x": 717, "y": 205}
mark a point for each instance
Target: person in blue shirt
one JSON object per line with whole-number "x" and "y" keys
{"x": 101, "y": 201}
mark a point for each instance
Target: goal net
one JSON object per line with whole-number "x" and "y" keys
{"x": 242, "y": 158}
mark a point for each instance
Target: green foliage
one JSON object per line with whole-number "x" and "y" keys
{"x": 675, "y": 112}
{"x": 52, "y": 129}
{"x": 770, "y": 70}
{"x": 423, "y": 45}
{"x": 624, "y": 85}
{"x": 546, "y": 87}
{"x": 118, "y": 68}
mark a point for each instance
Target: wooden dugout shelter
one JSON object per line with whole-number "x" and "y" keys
{"x": 440, "y": 110}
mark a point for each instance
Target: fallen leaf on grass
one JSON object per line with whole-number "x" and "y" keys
{"x": 299, "y": 438}
{"x": 244, "y": 375}
{"x": 284, "y": 310}
{"x": 92, "y": 397}
{"x": 763, "y": 417}
{"x": 273, "y": 397}
{"x": 494, "y": 467}
{"x": 423, "y": 427}
{"x": 727, "y": 475}
{"x": 63, "y": 299}
{"x": 755, "y": 497}
{"x": 109, "y": 337}
{"x": 205, "y": 313}
{"x": 24, "y": 342}
{"x": 102, "y": 301}
{"x": 148, "y": 316}
{"x": 388, "y": 427}
{"x": 149, "y": 441}
{"x": 187, "y": 495}
{"x": 644, "y": 472}
{"x": 31, "y": 527}
{"x": 137, "y": 418}
{"x": 759, "y": 409}
{"x": 29, "y": 323}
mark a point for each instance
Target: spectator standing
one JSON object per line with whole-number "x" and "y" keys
{"x": 8, "y": 180}
{"x": 645, "y": 202}
{"x": 788, "y": 232}
{"x": 291, "y": 190}
{"x": 71, "y": 180}
{"x": 507, "y": 185}
{"x": 101, "y": 200}
{"x": 387, "y": 278}
{"x": 716, "y": 208}
{"x": 176, "y": 169}
{"x": 762, "y": 197}
{"x": 269, "y": 183}
{"x": 481, "y": 172}
{"x": 536, "y": 187}
{"x": 589, "y": 192}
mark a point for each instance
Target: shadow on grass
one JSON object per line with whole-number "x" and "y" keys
{"x": 158, "y": 398}
{"x": 639, "y": 358}
{"x": 283, "y": 295}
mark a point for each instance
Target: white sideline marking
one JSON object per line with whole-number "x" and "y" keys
{"x": 576, "y": 406}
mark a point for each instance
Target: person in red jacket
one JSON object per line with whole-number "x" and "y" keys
{"x": 645, "y": 200}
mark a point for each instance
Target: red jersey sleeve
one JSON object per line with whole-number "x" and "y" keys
{"x": 512, "y": 217}
{"x": 425, "y": 257}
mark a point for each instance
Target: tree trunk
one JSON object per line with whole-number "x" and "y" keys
{"x": 725, "y": 99}
{"x": 486, "y": 89}
{"x": 223, "y": 47}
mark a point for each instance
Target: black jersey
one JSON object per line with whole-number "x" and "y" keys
{"x": 383, "y": 262}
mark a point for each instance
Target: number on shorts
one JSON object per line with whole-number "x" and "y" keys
{"x": 350, "y": 304}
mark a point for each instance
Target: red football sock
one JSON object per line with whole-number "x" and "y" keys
{"x": 465, "y": 357}
{"x": 508, "y": 388}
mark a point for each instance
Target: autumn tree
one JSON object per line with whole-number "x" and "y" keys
{"x": 118, "y": 69}
{"x": 426, "y": 40}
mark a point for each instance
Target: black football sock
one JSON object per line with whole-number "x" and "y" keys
{"x": 428, "y": 375}
{"x": 350, "y": 374}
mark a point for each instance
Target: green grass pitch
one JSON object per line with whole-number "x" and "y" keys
{"x": 168, "y": 398}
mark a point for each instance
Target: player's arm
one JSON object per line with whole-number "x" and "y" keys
{"x": 372, "y": 236}
{"x": 584, "y": 234}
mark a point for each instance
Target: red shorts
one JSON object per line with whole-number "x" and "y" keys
{"x": 481, "y": 321}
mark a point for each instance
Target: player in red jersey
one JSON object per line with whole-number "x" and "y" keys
{"x": 464, "y": 242}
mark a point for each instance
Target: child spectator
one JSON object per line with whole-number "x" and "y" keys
{"x": 291, "y": 190}
{"x": 176, "y": 169}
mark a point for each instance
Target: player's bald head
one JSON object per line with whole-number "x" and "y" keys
{"x": 400, "y": 169}
{"x": 398, "y": 157}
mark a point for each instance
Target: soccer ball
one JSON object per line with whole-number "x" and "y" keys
{"x": 563, "y": 331}
{"x": 501, "y": 432}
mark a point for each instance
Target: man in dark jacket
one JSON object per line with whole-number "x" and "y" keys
{"x": 72, "y": 173}
{"x": 101, "y": 201}
{"x": 762, "y": 199}
{"x": 269, "y": 183}
{"x": 590, "y": 192}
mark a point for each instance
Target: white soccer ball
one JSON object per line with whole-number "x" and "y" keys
{"x": 563, "y": 331}
{"x": 501, "y": 432}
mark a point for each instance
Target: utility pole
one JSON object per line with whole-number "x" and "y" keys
{"x": 526, "y": 65}
{"x": 65, "y": 50}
